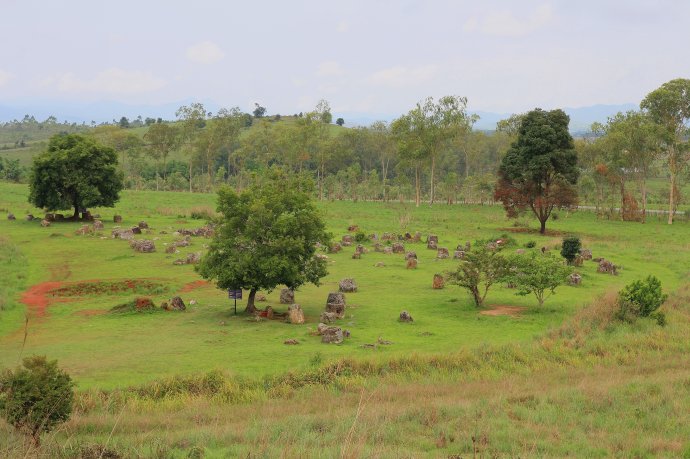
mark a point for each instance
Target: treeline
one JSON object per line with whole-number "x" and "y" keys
{"x": 431, "y": 153}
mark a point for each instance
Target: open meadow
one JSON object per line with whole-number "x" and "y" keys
{"x": 547, "y": 380}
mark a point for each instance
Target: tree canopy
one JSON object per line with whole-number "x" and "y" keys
{"x": 539, "y": 170}
{"x": 75, "y": 172}
{"x": 267, "y": 236}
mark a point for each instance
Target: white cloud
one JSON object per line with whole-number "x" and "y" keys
{"x": 110, "y": 81}
{"x": 205, "y": 52}
{"x": 401, "y": 76}
{"x": 504, "y": 23}
{"x": 329, "y": 69}
{"x": 5, "y": 77}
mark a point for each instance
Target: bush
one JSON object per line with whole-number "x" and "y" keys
{"x": 641, "y": 299}
{"x": 36, "y": 397}
{"x": 570, "y": 248}
{"x": 531, "y": 244}
{"x": 361, "y": 237}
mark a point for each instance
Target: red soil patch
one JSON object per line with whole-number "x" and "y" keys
{"x": 513, "y": 311}
{"x": 194, "y": 285}
{"x": 38, "y": 297}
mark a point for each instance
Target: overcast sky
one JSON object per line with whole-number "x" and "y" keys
{"x": 362, "y": 56}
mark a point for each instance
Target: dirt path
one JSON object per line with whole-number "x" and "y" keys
{"x": 38, "y": 298}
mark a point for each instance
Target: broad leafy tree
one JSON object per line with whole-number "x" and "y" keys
{"x": 161, "y": 140}
{"x": 479, "y": 270}
{"x": 267, "y": 236}
{"x": 537, "y": 274}
{"x": 669, "y": 106}
{"x": 75, "y": 172}
{"x": 540, "y": 169}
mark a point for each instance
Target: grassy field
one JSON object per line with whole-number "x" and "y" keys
{"x": 478, "y": 374}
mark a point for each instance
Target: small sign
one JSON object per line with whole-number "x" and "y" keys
{"x": 234, "y": 294}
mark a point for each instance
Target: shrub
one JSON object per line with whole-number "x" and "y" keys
{"x": 641, "y": 299}
{"x": 36, "y": 397}
{"x": 531, "y": 244}
{"x": 570, "y": 248}
{"x": 361, "y": 237}
{"x": 538, "y": 274}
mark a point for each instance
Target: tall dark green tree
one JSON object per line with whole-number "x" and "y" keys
{"x": 267, "y": 237}
{"x": 75, "y": 172}
{"x": 540, "y": 169}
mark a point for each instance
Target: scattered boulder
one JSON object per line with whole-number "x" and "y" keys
{"x": 328, "y": 317}
{"x": 125, "y": 234}
{"x": 143, "y": 245}
{"x": 388, "y": 250}
{"x": 438, "y": 282}
{"x": 336, "y": 304}
{"x": 331, "y": 335}
{"x": 406, "y": 317}
{"x": 432, "y": 242}
{"x": 468, "y": 246}
{"x": 117, "y": 218}
{"x": 50, "y": 217}
{"x": 348, "y": 285}
{"x": 10, "y": 216}
{"x": 335, "y": 248}
{"x": 135, "y": 230}
{"x": 380, "y": 264}
{"x": 492, "y": 245}
{"x": 442, "y": 253}
{"x": 417, "y": 237}
{"x": 143, "y": 225}
{"x": 45, "y": 223}
{"x": 269, "y": 313}
{"x": 387, "y": 237}
{"x": 459, "y": 254}
{"x": 398, "y": 247}
{"x": 291, "y": 342}
{"x": 373, "y": 237}
{"x": 98, "y": 225}
{"x": 360, "y": 249}
{"x": 287, "y": 296}
{"x": 378, "y": 247}
{"x": 411, "y": 263}
{"x": 29, "y": 218}
{"x": 579, "y": 260}
{"x": 407, "y": 236}
{"x": 574, "y": 279}
{"x": 409, "y": 255}
{"x": 176, "y": 304}
{"x": 586, "y": 254}
{"x": 347, "y": 240}
{"x": 83, "y": 230}
{"x": 171, "y": 248}
{"x": 357, "y": 255}
{"x": 607, "y": 267}
{"x": 353, "y": 228}
{"x": 193, "y": 258}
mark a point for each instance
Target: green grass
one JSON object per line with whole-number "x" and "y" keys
{"x": 452, "y": 382}
{"x": 112, "y": 351}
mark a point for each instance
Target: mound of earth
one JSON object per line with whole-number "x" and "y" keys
{"x": 88, "y": 288}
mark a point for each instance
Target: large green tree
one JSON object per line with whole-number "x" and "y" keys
{"x": 267, "y": 236}
{"x": 75, "y": 172}
{"x": 669, "y": 106}
{"x": 540, "y": 169}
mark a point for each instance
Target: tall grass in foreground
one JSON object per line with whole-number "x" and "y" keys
{"x": 593, "y": 387}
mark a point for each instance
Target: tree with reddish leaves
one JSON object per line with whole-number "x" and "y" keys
{"x": 540, "y": 169}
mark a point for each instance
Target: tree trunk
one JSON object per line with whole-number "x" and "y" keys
{"x": 433, "y": 168}
{"x": 542, "y": 222}
{"x": 476, "y": 296}
{"x": 672, "y": 197}
{"x": 251, "y": 309}
{"x": 416, "y": 186}
{"x": 76, "y": 212}
{"x": 190, "y": 174}
{"x": 643, "y": 187}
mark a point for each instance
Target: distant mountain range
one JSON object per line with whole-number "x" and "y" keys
{"x": 581, "y": 118}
